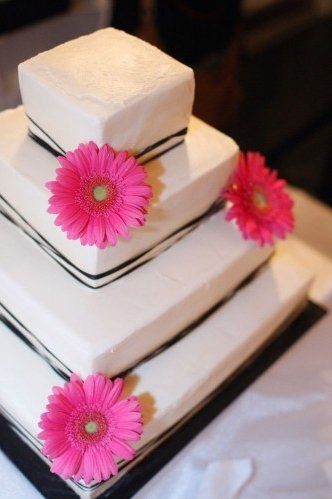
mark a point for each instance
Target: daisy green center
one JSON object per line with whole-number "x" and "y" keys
{"x": 91, "y": 427}
{"x": 100, "y": 192}
{"x": 260, "y": 199}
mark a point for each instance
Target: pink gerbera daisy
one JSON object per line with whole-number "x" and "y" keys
{"x": 260, "y": 206}
{"x": 98, "y": 194}
{"x": 87, "y": 425}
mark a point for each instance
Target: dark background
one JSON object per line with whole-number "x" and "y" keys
{"x": 263, "y": 69}
{"x": 263, "y": 74}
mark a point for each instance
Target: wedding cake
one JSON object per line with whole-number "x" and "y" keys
{"x": 133, "y": 199}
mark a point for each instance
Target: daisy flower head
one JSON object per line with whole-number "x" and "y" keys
{"x": 259, "y": 204}
{"x": 87, "y": 425}
{"x": 98, "y": 193}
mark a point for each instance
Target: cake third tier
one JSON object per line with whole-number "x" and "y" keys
{"x": 112, "y": 329}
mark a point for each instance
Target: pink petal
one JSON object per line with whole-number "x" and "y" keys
{"x": 114, "y": 393}
{"x": 136, "y": 200}
{"x": 135, "y": 179}
{"x": 67, "y": 464}
{"x": 119, "y": 163}
{"x": 111, "y": 233}
{"x": 126, "y": 434}
{"x": 106, "y": 464}
{"x": 88, "y": 466}
{"x": 122, "y": 449}
{"x": 120, "y": 226}
{"x": 126, "y": 405}
{"x": 102, "y": 385}
{"x": 56, "y": 447}
{"x": 75, "y": 393}
{"x": 98, "y": 229}
{"x": 139, "y": 190}
{"x": 89, "y": 389}
{"x": 79, "y": 225}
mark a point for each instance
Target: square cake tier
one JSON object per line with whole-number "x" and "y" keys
{"x": 169, "y": 386}
{"x": 186, "y": 182}
{"x": 111, "y": 329}
{"x": 108, "y": 87}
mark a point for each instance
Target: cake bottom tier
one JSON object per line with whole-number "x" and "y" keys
{"x": 173, "y": 385}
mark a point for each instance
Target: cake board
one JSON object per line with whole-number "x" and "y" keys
{"x": 51, "y": 486}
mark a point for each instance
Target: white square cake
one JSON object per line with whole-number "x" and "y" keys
{"x": 179, "y": 328}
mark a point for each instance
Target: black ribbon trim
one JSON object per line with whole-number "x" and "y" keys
{"x": 146, "y": 150}
{"x": 180, "y": 133}
{"x": 64, "y": 371}
{"x": 41, "y": 142}
{"x": 162, "y": 153}
{"x": 44, "y": 144}
{"x": 57, "y": 255}
{"x": 197, "y": 322}
{"x": 52, "y": 360}
{"x": 156, "y": 453}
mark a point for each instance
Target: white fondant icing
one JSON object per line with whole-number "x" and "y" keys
{"x": 107, "y": 87}
{"x": 174, "y": 383}
{"x": 93, "y": 88}
{"x": 185, "y": 182}
{"x": 109, "y": 329}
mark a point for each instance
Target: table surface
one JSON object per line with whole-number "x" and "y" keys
{"x": 275, "y": 440}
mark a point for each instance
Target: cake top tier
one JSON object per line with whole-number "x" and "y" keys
{"x": 108, "y": 68}
{"x": 107, "y": 74}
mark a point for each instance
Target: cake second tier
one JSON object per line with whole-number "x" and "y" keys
{"x": 186, "y": 181}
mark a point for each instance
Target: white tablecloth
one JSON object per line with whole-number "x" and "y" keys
{"x": 275, "y": 440}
